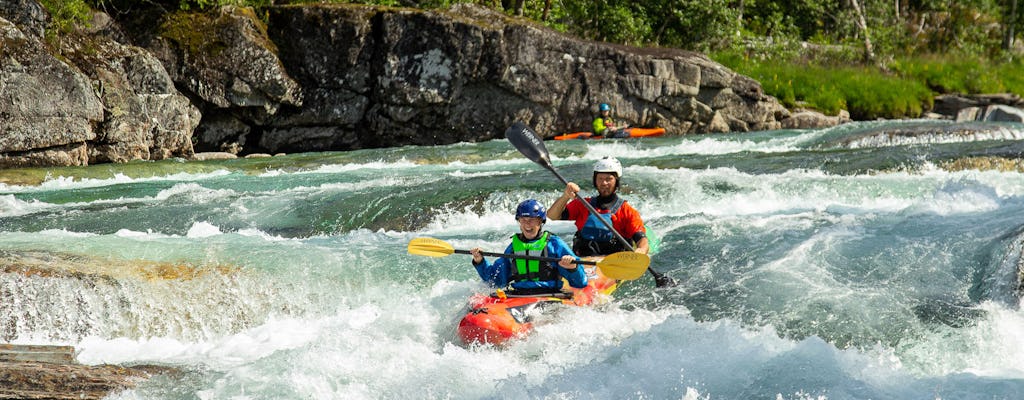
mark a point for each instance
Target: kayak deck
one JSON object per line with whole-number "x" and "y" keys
{"x": 499, "y": 317}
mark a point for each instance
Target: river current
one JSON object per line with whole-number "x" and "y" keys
{"x": 874, "y": 260}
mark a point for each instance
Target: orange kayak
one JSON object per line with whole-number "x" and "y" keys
{"x": 499, "y": 317}
{"x": 633, "y": 133}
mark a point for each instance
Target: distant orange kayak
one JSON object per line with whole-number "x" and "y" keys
{"x": 633, "y": 133}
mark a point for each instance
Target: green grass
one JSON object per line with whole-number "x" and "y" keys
{"x": 905, "y": 90}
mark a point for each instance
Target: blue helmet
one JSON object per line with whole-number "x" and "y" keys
{"x": 605, "y": 107}
{"x": 531, "y": 208}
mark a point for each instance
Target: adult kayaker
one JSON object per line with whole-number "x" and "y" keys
{"x": 604, "y": 124}
{"x": 529, "y": 276}
{"x": 592, "y": 236}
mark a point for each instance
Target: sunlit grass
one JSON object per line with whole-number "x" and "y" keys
{"x": 904, "y": 88}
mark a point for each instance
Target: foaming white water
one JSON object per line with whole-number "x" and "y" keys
{"x": 65, "y": 183}
{"x": 993, "y": 132}
{"x": 346, "y": 167}
{"x": 11, "y": 206}
{"x": 373, "y": 351}
{"x": 993, "y": 346}
{"x": 467, "y": 221}
{"x": 222, "y": 353}
{"x": 725, "y": 191}
{"x": 803, "y": 284}
{"x": 699, "y": 145}
{"x": 193, "y": 192}
{"x": 203, "y": 229}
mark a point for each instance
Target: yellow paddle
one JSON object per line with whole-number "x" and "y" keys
{"x": 624, "y": 265}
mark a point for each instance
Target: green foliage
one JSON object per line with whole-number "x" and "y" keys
{"x": 1012, "y": 76}
{"x": 866, "y": 92}
{"x": 190, "y": 30}
{"x": 67, "y": 14}
{"x": 945, "y": 75}
{"x": 697, "y": 24}
{"x": 195, "y": 5}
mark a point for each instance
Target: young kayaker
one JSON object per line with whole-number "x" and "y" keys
{"x": 529, "y": 276}
{"x": 604, "y": 125}
{"x": 592, "y": 236}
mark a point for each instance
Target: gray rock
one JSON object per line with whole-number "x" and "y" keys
{"x": 336, "y": 77}
{"x": 950, "y": 105}
{"x": 379, "y": 77}
{"x": 992, "y": 113}
{"x": 29, "y": 15}
{"x": 213, "y": 155}
{"x": 145, "y": 117}
{"x": 225, "y": 59}
{"x": 1001, "y": 113}
{"x": 44, "y": 103}
{"x": 808, "y": 119}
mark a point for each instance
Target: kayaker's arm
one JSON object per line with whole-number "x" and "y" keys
{"x": 495, "y": 274}
{"x": 576, "y": 276}
{"x": 558, "y": 207}
{"x": 642, "y": 246}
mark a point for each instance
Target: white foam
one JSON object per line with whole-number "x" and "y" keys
{"x": 64, "y": 183}
{"x": 203, "y": 229}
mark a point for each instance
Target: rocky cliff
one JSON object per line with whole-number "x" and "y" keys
{"x": 332, "y": 77}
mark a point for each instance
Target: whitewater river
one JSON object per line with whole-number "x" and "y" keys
{"x": 824, "y": 264}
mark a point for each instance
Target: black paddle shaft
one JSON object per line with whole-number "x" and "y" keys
{"x": 525, "y": 257}
{"x": 530, "y": 144}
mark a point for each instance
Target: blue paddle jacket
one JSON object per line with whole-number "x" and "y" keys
{"x": 499, "y": 274}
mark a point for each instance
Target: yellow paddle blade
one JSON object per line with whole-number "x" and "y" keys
{"x": 624, "y": 265}
{"x": 430, "y": 247}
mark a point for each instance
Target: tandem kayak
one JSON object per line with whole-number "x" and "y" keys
{"x": 633, "y": 133}
{"x": 501, "y": 316}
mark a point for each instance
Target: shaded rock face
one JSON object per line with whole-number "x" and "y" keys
{"x": 378, "y": 77}
{"x": 98, "y": 101}
{"x": 145, "y": 118}
{"x": 29, "y": 15}
{"x": 333, "y": 77}
{"x": 48, "y": 109}
{"x": 225, "y": 61}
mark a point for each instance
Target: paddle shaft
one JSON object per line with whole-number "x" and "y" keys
{"x": 524, "y": 257}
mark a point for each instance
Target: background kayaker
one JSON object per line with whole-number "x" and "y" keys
{"x": 529, "y": 275}
{"x": 604, "y": 124}
{"x": 592, "y": 236}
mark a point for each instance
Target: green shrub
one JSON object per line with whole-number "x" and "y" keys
{"x": 67, "y": 14}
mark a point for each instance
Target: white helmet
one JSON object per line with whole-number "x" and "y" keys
{"x": 609, "y": 164}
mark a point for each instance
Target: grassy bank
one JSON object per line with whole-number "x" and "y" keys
{"x": 903, "y": 88}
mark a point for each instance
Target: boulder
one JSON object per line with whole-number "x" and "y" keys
{"x": 376, "y": 77}
{"x": 47, "y": 107}
{"x": 145, "y": 117}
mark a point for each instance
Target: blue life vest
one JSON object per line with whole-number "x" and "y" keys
{"x": 595, "y": 238}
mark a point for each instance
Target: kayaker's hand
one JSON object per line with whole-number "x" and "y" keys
{"x": 477, "y": 256}
{"x": 568, "y": 262}
{"x": 570, "y": 190}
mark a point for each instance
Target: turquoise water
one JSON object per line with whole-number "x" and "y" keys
{"x": 820, "y": 264}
